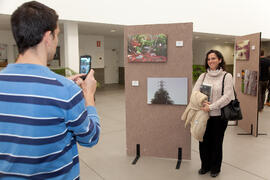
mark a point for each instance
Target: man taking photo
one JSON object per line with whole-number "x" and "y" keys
{"x": 42, "y": 115}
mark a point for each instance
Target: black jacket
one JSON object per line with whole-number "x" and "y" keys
{"x": 264, "y": 69}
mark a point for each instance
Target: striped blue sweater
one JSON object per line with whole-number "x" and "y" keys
{"x": 42, "y": 117}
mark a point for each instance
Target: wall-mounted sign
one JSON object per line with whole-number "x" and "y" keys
{"x": 179, "y": 43}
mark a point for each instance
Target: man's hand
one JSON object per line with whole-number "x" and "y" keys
{"x": 89, "y": 86}
{"x": 75, "y": 77}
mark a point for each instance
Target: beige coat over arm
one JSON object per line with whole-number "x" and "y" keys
{"x": 196, "y": 117}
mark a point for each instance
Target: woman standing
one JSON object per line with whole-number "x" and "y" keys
{"x": 211, "y": 147}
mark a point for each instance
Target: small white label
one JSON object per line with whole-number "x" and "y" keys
{"x": 238, "y": 75}
{"x": 179, "y": 43}
{"x": 253, "y": 47}
{"x": 135, "y": 83}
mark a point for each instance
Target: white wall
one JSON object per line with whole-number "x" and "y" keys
{"x": 201, "y": 48}
{"x": 118, "y": 44}
{"x": 113, "y": 57}
{"x": 88, "y": 46}
{"x": 6, "y": 37}
{"x": 229, "y": 17}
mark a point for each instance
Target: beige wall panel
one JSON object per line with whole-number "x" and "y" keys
{"x": 158, "y": 128}
{"x": 248, "y": 103}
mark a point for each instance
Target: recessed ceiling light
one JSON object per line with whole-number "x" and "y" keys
{"x": 113, "y": 30}
{"x": 197, "y": 37}
{"x": 216, "y": 38}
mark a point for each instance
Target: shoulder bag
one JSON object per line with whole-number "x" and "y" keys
{"x": 232, "y": 111}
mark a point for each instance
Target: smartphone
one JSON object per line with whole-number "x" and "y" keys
{"x": 85, "y": 65}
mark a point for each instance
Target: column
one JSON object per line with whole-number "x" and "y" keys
{"x": 71, "y": 46}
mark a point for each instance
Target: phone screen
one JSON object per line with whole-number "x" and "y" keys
{"x": 85, "y": 64}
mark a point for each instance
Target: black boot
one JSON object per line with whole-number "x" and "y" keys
{"x": 214, "y": 174}
{"x": 203, "y": 171}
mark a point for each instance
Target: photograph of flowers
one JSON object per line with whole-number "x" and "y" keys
{"x": 147, "y": 48}
{"x": 242, "y": 50}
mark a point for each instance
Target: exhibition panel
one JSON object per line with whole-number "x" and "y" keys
{"x": 155, "y": 56}
{"x": 247, "y": 54}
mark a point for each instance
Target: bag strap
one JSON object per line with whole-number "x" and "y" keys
{"x": 203, "y": 77}
{"x": 222, "y": 92}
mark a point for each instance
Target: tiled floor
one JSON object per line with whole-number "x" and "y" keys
{"x": 245, "y": 157}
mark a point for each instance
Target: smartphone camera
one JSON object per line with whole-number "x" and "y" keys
{"x": 85, "y": 65}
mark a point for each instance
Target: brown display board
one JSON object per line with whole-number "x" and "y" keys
{"x": 158, "y": 128}
{"x": 248, "y": 103}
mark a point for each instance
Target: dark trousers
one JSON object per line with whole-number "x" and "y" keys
{"x": 261, "y": 94}
{"x": 211, "y": 147}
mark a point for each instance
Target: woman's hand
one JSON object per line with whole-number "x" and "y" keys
{"x": 206, "y": 102}
{"x": 206, "y": 106}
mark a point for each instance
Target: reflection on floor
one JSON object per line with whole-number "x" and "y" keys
{"x": 245, "y": 157}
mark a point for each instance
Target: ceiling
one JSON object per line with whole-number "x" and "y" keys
{"x": 88, "y": 28}
{"x": 213, "y": 38}
{"x": 84, "y": 28}
{"x": 219, "y": 38}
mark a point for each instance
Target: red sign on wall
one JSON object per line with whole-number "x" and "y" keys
{"x": 98, "y": 43}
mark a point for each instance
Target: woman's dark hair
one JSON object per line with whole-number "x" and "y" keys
{"x": 29, "y": 23}
{"x": 219, "y": 56}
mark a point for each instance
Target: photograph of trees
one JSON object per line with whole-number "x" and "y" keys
{"x": 167, "y": 91}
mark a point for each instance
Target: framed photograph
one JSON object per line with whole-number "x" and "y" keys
{"x": 3, "y": 55}
{"x": 242, "y": 50}
{"x": 172, "y": 91}
{"x": 147, "y": 48}
{"x": 250, "y": 80}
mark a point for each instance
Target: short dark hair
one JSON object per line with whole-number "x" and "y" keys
{"x": 29, "y": 23}
{"x": 219, "y": 56}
